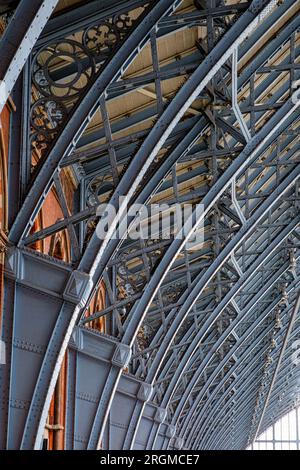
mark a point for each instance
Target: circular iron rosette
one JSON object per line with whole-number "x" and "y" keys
{"x": 62, "y": 70}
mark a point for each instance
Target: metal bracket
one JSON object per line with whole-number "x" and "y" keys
{"x": 145, "y": 392}
{"x": 179, "y": 443}
{"x": 236, "y": 265}
{"x": 13, "y": 264}
{"x": 121, "y": 356}
{"x": 160, "y": 415}
{"x": 78, "y": 288}
{"x": 235, "y": 106}
{"x": 76, "y": 340}
{"x": 235, "y": 202}
{"x": 171, "y": 431}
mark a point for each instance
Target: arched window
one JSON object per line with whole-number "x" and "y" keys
{"x": 283, "y": 435}
{"x": 3, "y": 197}
{"x": 58, "y": 250}
{"x": 3, "y": 182}
{"x": 59, "y": 247}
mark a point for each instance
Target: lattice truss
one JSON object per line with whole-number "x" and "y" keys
{"x": 162, "y": 102}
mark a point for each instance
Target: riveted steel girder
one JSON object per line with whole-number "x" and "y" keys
{"x": 18, "y": 41}
{"x": 70, "y": 303}
{"x": 204, "y": 337}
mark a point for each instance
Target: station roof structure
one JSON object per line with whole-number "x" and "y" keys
{"x": 166, "y": 104}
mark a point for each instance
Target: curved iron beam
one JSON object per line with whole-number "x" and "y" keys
{"x": 62, "y": 331}
{"x": 194, "y": 295}
{"x": 241, "y": 317}
{"x": 196, "y": 292}
{"x": 222, "y": 382}
{"x": 216, "y": 440}
{"x": 93, "y": 257}
{"x": 271, "y": 130}
{"x": 216, "y": 409}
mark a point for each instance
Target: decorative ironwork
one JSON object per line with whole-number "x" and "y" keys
{"x": 71, "y": 53}
{"x": 56, "y": 96}
{"x": 62, "y": 70}
{"x": 4, "y": 21}
{"x": 47, "y": 116}
{"x": 102, "y": 38}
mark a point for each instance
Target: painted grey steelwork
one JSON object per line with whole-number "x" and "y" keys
{"x": 218, "y": 409}
{"x": 203, "y": 282}
{"x": 290, "y": 363}
{"x": 241, "y": 379}
{"x": 63, "y": 328}
{"x": 250, "y": 387}
{"x": 282, "y": 351}
{"x": 230, "y": 295}
{"x": 135, "y": 319}
{"x": 115, "y": 67}
{"x": 192, "y": 325}
{"x": 248, "y": 311}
